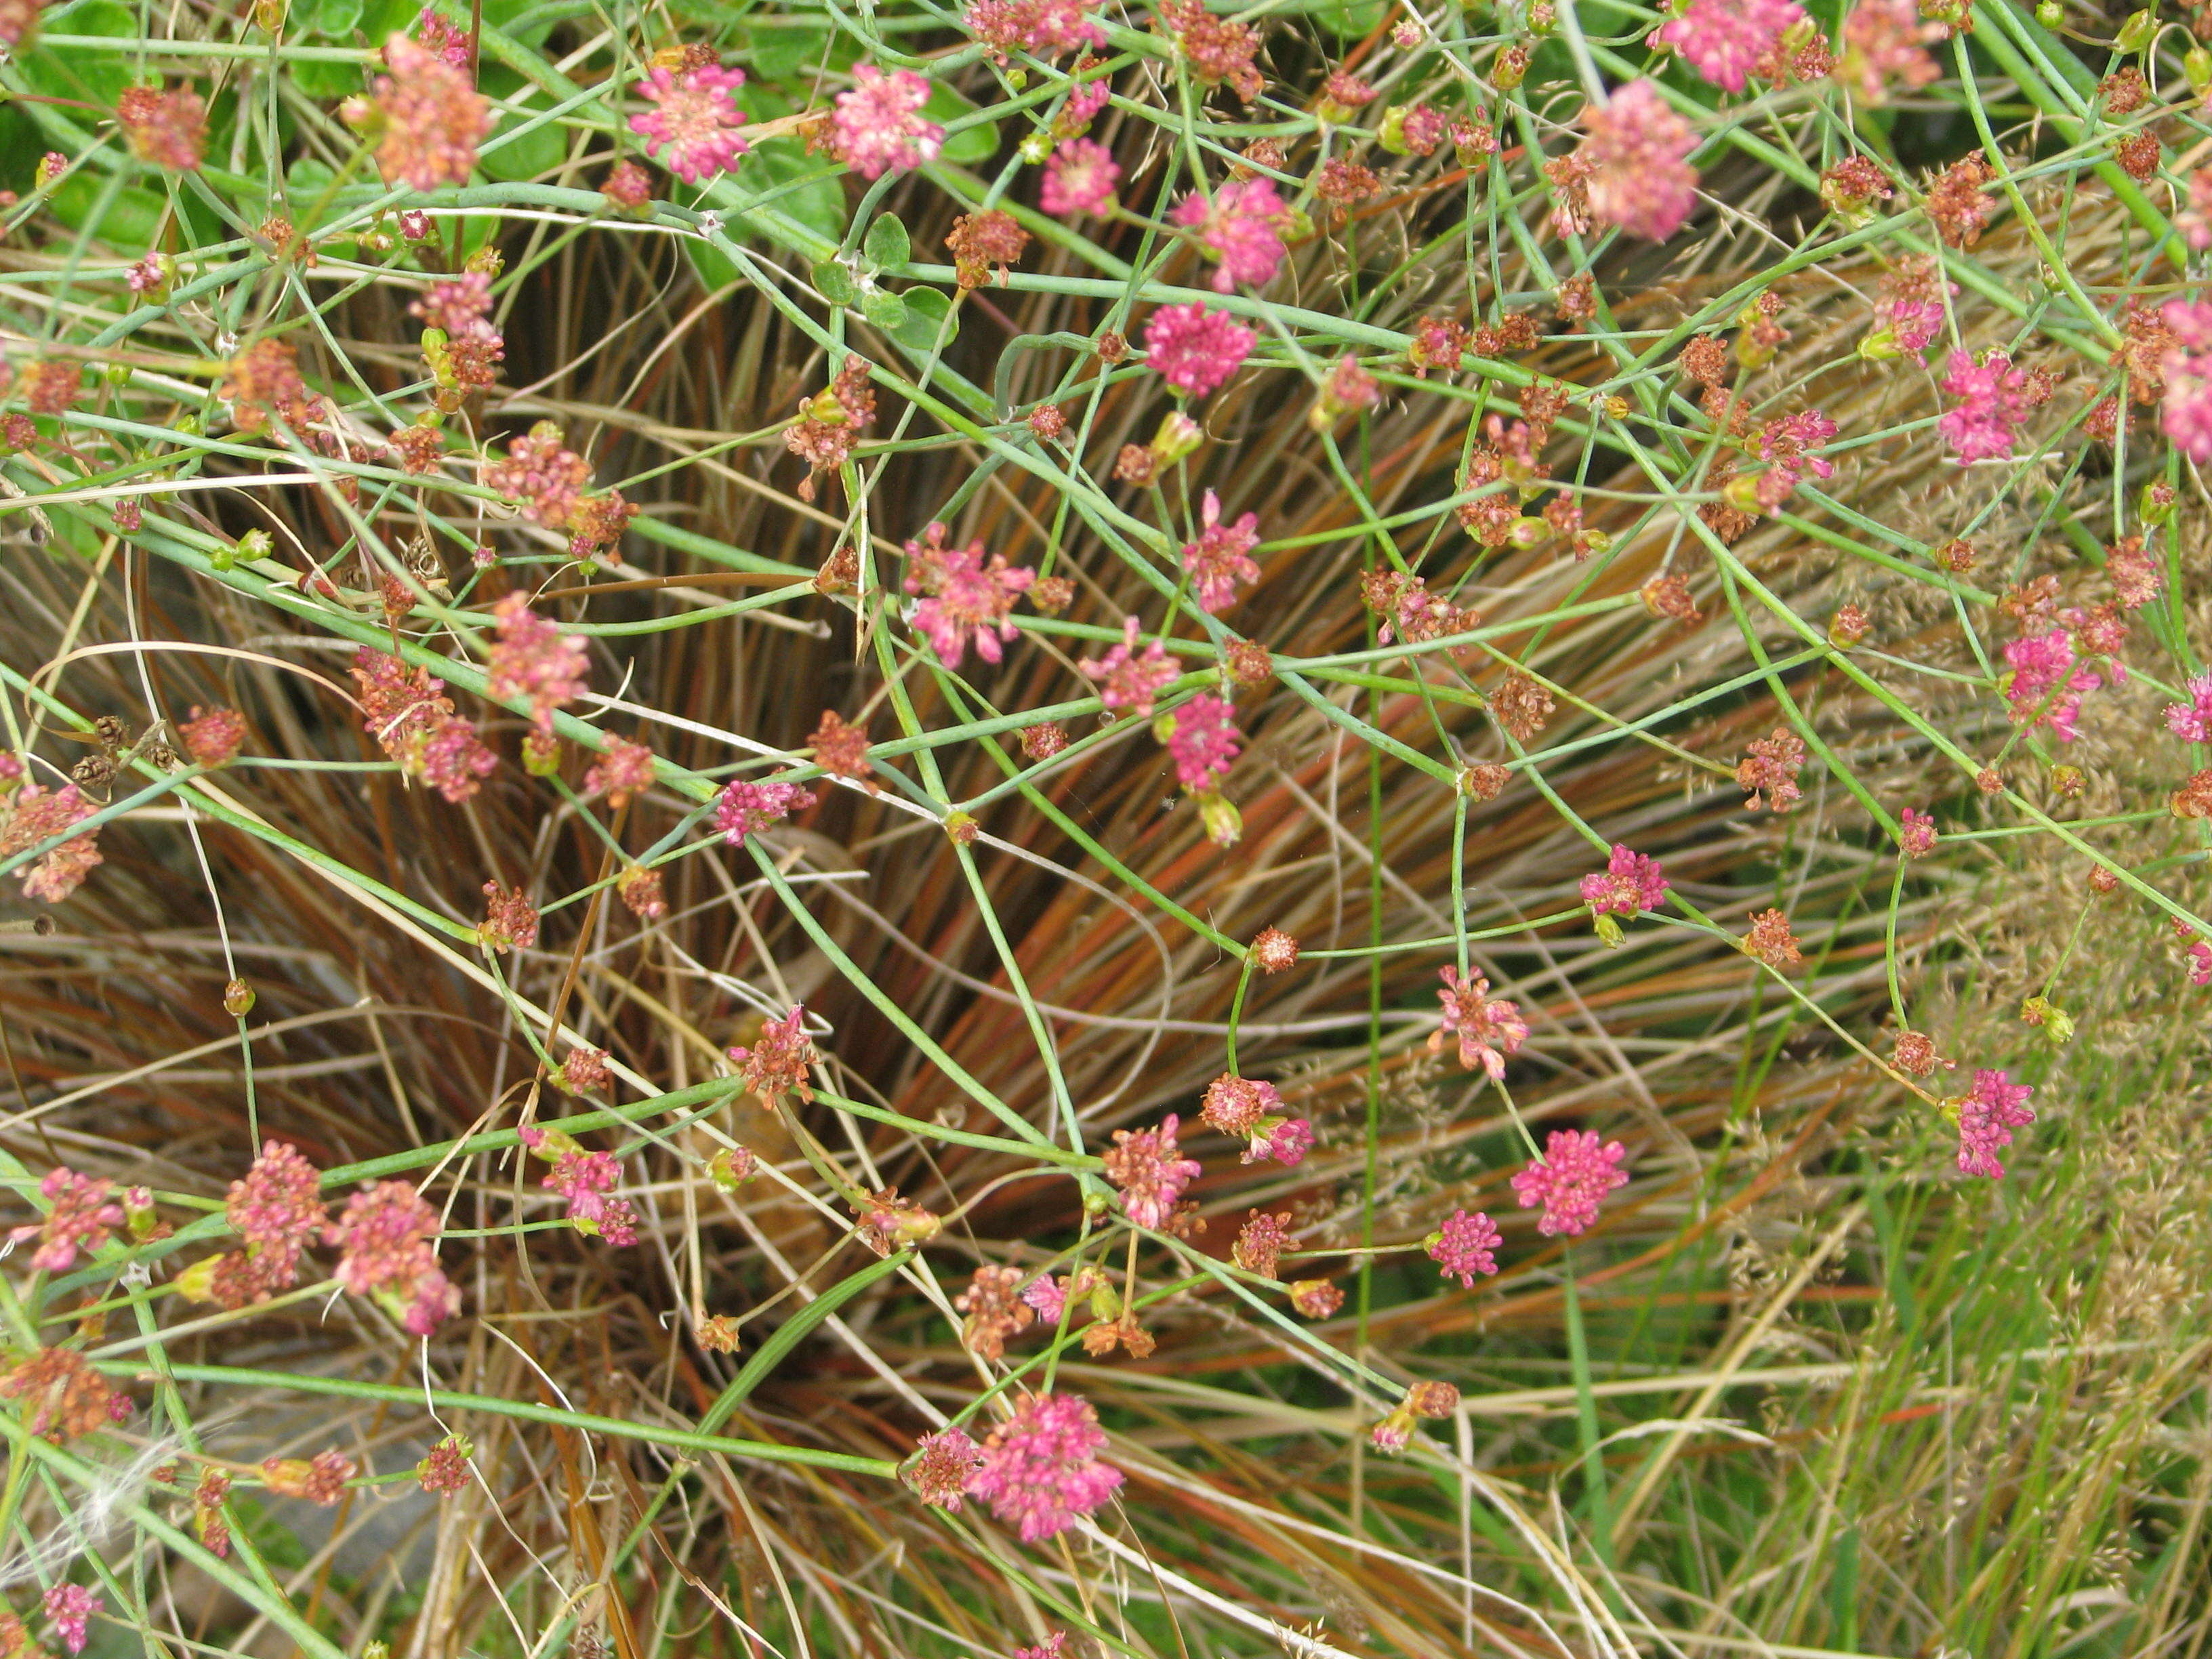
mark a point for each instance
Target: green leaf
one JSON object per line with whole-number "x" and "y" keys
{"x": 717, "y": 271}
{"x": 338, "y": 18}
{"x": 809, "y": 188}
{"x": 89, "y": 74}
{"x": 324, "y": 82}
{"x": 132, "y": 219}
{"x": 930, "y": 324}
{"x": 971, "y": 145}
{"x": 887, "y": 246}
{"x": 1345, "y": 18}
{"x": 834, "y": 282}
{"x": 784, "y": 46}
{"x": 885, "y": 309}
{"x": 539, "y": 151}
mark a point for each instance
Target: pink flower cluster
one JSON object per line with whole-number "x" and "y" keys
{"x": 1203, "y": 740}
{"x": 1994, "y": 399}
{"x": 1487, "y": 1031}
{"x": 37, "y": 814}
{"x": 1221, "y": 557}
{"x": 1570, "y": 1181}
{"x": 2186, "y": 411}
{"x": 1040, "y": 1470}
{"x": 745, "y": 808}
{"x": 968, "y": 599}
{"x": 386, "y": 1240}
{"x": 2045, "y": 686}
{"x": 1194, "y": 349}
{"x": 432, "y": 119}
{"x": 1132, "y": 679}
{"x": 696, "y": 120}
{"x": 585, "y": 1179}
{"x": 70, "y": 1608}
{"x": 1637, "y": 157}
{"x": 878, "y": 128}
{"x": 1630, "y": 883}
{"x": 408, "y": 715}
{"x": 278, "y": 1210}
{"x": 1724, "y": 41}
{"x": 1080, "y": 177}
{"x": 1463, "y": 1247}
{"x": 1045, "y": 28}
{"x": 1240, "y": 227}
{"x": 534, "y": 661}
{"x": 1148, "y": 1166}
{"x": 1988, "y": 1115}
{"x": 82, "y": 1218}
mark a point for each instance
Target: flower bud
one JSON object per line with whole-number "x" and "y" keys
{"x": 138, "y": 1211}
{"x": 238, "y": 998}
{"x": 2050, "y": 13}
{"x": 1036, "y": 147}
{"x": 195, "y": 1284}
{"x": 2057, "y": 1024}
{"x": 2135, "y": 33}
{"x": 1510, "y": 67}
{"x": 1178, "y": 436}
{"x": 1225, "y": 824}
{"x": 2155, "y": 505}
{"x": 1608, "y": 930}
{"x": 1391, "y": 135}
{"x": 541, "y": 754}
{"x": 1880, "y": 347}
{"x": 1742, "y": 494}
{"x": 732, "y": 1167}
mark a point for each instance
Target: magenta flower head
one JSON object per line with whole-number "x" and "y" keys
{"x": 745, "y": 808}
{"x": 1988, "y": 1114}
{"x": 1630, "y": 884}
{"x": 1221, "y": 558}
{"x": 2192, "y": 721}
{"x": 1131, "y": 679}
{"x": 1240, "y": 228}
{"x": 1993, "y": 399}
{"x": 696, "y": 121}
{"x": 1724, "y": 39}
{"x": 1638, "y": 155}
{"x": 278, "y": 1210}
{"x": 1571, "y": 1179}
{"x": 81, "y": 1219}
{"x": 1041, "y": 1471}
{"x": 1150, "y": 1169}
{"x": 387, "y": 1240}
{"x": 533, "y": 659}
{"x": 1202, "y": 737}
{"x": 70, "y": 1607}
{"x": 1193, "y": 350}
{"x": 1080, "y": 177}
{"x": 970, "y": 599}
{"x": 2185, "y": 415}
{"x": 1463, "y": 1247}
{"x": 1488, "y": 1031}
{"x": 878, "y": 127}
{"x": 432, "y": 119}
